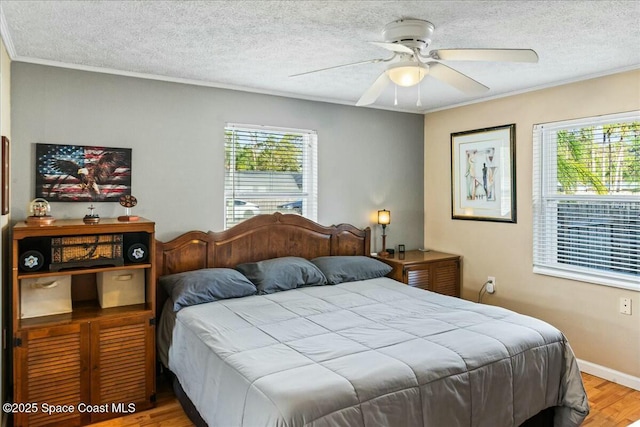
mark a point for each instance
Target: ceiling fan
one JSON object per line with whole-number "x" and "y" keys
{"x": 410, "y": 62}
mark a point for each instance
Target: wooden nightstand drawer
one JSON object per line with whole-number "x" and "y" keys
{"x": 433, "y": 271}
{"x": 418, "y": 278}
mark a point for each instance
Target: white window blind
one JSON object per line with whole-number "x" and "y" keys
{"x": 586, "y": 199}
{"x": 269, "y": 169}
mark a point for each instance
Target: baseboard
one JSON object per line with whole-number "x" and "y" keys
{"x": 609, "y": 374}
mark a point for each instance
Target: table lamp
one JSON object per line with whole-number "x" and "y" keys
{"x": 384, "y": 219}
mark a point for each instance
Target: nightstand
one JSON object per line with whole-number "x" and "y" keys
{"x": 431, "y": 270}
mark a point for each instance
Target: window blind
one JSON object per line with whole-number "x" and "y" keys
{"x": 586, "y": 199}
{"x": 267, "y": 170}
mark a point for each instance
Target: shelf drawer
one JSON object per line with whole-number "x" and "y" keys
{"x": 45, "y": 296}
{"x": 122, "y": 287}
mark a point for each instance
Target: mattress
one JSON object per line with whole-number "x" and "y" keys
{"x": 369, "y": 353}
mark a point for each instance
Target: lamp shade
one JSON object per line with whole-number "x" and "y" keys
{"x": 407, "y": 73}
{"x": 384, "y": 217}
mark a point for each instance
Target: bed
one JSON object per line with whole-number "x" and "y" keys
{"x": 365, "y": 350}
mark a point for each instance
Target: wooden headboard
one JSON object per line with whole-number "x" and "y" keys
{"x": 256, "y": 239}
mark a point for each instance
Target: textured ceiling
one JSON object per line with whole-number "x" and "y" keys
{"x": 256, "y": 45}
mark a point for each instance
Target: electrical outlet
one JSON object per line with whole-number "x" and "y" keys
{"x": 491, "y": 285}
{"x": 625, "y": 305}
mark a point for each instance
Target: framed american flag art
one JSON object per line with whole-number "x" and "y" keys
{"x": 77, "y": 173}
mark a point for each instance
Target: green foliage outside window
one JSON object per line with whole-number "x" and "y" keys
{"x": 255, "y": 152}
{"x": 604, "y": 160}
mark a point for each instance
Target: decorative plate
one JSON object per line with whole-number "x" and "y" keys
{"x": 128, "y": 201}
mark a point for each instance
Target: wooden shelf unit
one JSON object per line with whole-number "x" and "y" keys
{"x": 98, "y": 361}
{"x": 430, "y": 270}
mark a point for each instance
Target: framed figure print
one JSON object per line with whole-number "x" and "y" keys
{"x": 483, "y": 174}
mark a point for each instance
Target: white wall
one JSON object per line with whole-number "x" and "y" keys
{"x": 368, "y": 159}
{"x": 587, "y": 313}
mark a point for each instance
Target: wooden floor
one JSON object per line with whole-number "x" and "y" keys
{"x": 612, "y": 405}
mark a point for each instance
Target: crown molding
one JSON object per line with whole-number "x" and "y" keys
{"x": 5, "y": 34}
{"x": 148, "y": 76}
{"x": 536, "y": 88}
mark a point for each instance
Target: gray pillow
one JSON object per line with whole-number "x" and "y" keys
{"x": 340, "y": 269}
{"x": 205, "y": 285}
{"x": 281, "y": 274}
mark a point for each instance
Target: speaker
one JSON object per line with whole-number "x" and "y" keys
{"x": 34, "y": 254}
{"x": 137, "y": 252}
{"x": 136, "y": 247}
{"x": 31, "y": 260}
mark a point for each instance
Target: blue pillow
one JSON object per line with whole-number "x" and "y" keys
{"x": 205, "y": 285}
{"x": 340, "y": 269}
{"x": 281, "y": 274}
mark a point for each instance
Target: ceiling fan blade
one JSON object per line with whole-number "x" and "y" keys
{"x": 456, "y": 79}
{"x": 394, "y": 47}
{"x": 374, "y": 91}
{"x": 369, "y": 61}
{"x": 503, "y": 55}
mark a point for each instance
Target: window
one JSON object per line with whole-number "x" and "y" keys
{"x": 269, "y": 170}
{"x": 586, "y": 199}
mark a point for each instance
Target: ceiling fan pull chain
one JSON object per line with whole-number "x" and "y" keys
{"x": 419, "y": 103}
{"x": 395, "y": 99}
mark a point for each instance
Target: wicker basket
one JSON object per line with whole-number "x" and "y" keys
{"x": 86, "y": 251}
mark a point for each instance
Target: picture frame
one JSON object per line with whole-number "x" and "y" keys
{"x": 6, "y": 175}
{"x": 483, "y": 174}
{"x": 82, "y": 173}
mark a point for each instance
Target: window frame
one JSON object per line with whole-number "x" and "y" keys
{"x": 546, "y": 226}
{"x": 309, "y": 191}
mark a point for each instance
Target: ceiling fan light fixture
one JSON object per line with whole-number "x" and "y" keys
{"x": 407, "y": 73}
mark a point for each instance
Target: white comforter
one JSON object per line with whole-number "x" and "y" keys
{"x": 370, "y": 353}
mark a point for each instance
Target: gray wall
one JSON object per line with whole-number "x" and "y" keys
{"x": 368, "y": 159}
